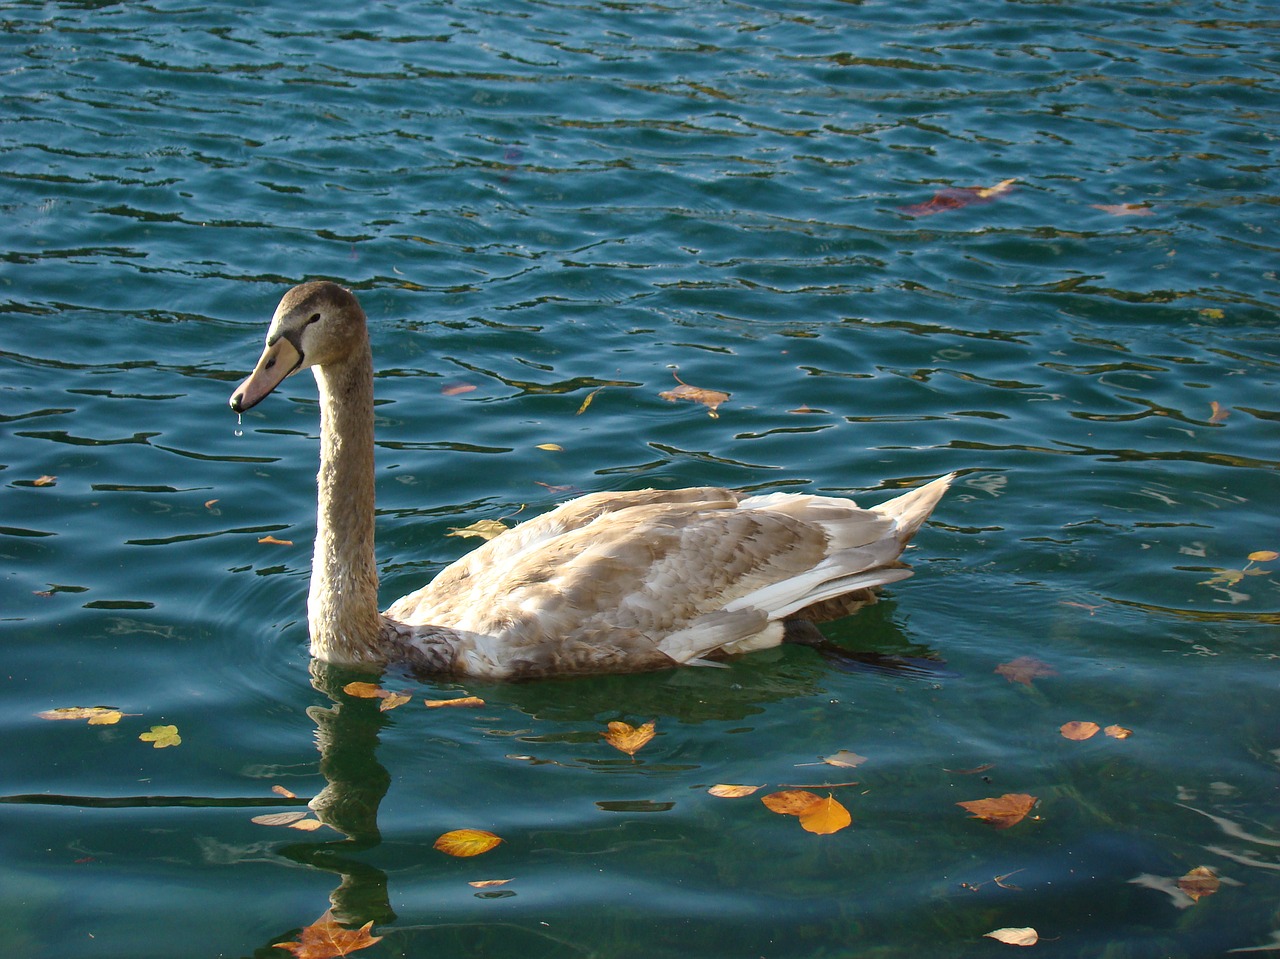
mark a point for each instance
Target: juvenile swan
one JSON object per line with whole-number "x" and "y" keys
{"x": 608, "y": 582}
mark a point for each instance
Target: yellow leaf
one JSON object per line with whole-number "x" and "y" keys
{"x": 1025, "y": 936}
{"x": 711, "y": 399}
{"x": 45, "y": 481}
{"x": 363, "y": 690}
{"x": 306, "y": 825}
{"x": 392, "y": 700}
{"x": 1199, "y": 882}
{"x": 825, "y": 817}
{"x": 279, "y": 818}
{"x": 272, "y": 541}
{"x": 1223, "y": 577}
{"x": 791, "y": 802}
{"x": 467, "y": 842}
{"x": 1002, "y": 811}
{"x": 96, "y": 715}
{"x": 1004, "y": 186}
{"x": 551, "y": 447}
{"x": 587, "y": 402}
{"x": 1118, "y": 732}
{"x": 486, "y": 883}
{"x": 1263, "y": 556}
{"x": 732, "y": 792}
{"x": 462, "y": 701}
{"x": 628, "y": 738}
{"x": 325, "y": 939}
{"x": 1079, "y": 730}
{"x": 162, "y": 736}
{"x": 845, "y": 759}
{"x": 482, "y": 529}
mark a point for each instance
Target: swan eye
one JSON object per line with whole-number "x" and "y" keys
{"x": 314, "y": 318}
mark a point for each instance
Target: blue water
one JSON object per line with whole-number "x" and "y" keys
{"x": 543, "y": 202}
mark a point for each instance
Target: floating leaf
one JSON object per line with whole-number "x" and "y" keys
{"x": 481, "y": 529}
{"x": 551, "y": 447}
{"x": 454, "y": 389}
{"x": 364, "y": 690}
{"x": 587, "y": 402}
{"x": 272, "y": 541}
{"x": 1199, "y": 882}
{"x": 1118, "y": 732}
{"x": 1079, "y": 730}
{"x": 971, "y": 772}
{"x": 1024, "y": 669}
{"x": 306, "y": 825}
{"x": 725, "y": 791}
{"x": 467, "y": 842}
{"x": 208, "y": 504}
{"x": 790, "y": 802}
{"x": 96, "y": 715}
{"x": 1263, "y": 556}
{"x": 825, "y": 817}
{"x": 958, "y": 197}
{"x": 462, "y": 701}
{"x": 392, "y": 700}
{"x": 1217, "y": 412}
{"x": 711, "y": 399}
{"x": 628, "y": 738}
{"x": 162, "y": 736}
{"x": 281, "y": 791}
{"x": 1001, "y": 811}
{"x": 1224, "y": 577}
{"x": 844, "y": 758}
{"x": 1124, "y": 209}
{"x": 45, "y": 481}
{"x": 1024, "y": 936}
{"x": 325, "y": 939}
{"x": 487, "y": 883}
{"x": 279, "y": 818}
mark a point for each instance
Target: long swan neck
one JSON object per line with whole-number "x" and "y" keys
{"x": 342, "y": 609}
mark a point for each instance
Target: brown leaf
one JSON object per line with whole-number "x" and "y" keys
{"x": 791, "y": 802}
{"x": 279, "y": 818}
{"x": 1024, "y": 936}
{"x": 272, "y": 541}
{"x": 392, "y": 700}
{"x": 1118, "y": 732}
{"x": 732, "y": 792}
{"x": 325, "y": 939}
{"x": 281, "y": 791}
{"x": 486, "y": 883}
{"x": 306, "y": 825}
{"x": 466, "y": 842}
{"x": 1001, "y": 811}
{"x": 1079, "y": 730}
{"x": 1199, "y": 882}
{"x": 461, "y": 701}
{"x": 711, "y": 399}
{"x": 45, "y": 481}
{"x": 628, "y": 738}
{"x": 844, "y": 758}
{"x": 971, "y": 772}
{"x": 1024, "y": 669}
{"x": 825, "y": 817}
{"x": 957, "y": 197}
{"x": 480, "y": 529}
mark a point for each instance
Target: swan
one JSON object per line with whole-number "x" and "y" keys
{"x": 607, "y": 582}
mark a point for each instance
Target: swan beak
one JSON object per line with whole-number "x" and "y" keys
{"x": 278, "y": 360}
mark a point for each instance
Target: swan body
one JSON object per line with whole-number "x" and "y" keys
{"x": 607, "y": 582}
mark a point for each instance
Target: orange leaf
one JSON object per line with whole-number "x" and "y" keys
{"x": 1024, "y": 669}
{"x": 1200, "y": 881}
{"x": 791, "y": 802}
{"x": 45, "y": 481}
{"x": 1079, "y": 730}
{"x": 272, "y": 541}
{"x": 628, "y": 738}
{"x": 363, "y": 690}
{"x": 325, "y": 939}
{"x": 281, "y": 791}
{"x": 825, "y": 817}
{"x": 306, "y": 825}
{"x": 1118, "y": 732}
{"x": 463, "y": 701}
{"x": 1263, "y": 556}
{"x": 1025, "y": 936}
{"x": 1002, "y": 811}
{"x": 732, "y": 792}
{"x": 708, "y": 398}
{"x": 454, "y": 389}
{"x": 467, "y": 842}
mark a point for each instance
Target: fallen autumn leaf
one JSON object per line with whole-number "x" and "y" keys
{"x": 326, "y": 939}
{"x": 1001, "y": 811}
{"x": 465, "y": 843}
{"x": 628, "y": 738}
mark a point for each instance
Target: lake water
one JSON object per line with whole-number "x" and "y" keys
{"x": 805, "y": 206}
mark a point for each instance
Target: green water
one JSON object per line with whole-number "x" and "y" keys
{"x": 540, "y": 203}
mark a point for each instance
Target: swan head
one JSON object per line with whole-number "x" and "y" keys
{"x": 316, "y": 324}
